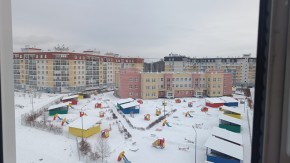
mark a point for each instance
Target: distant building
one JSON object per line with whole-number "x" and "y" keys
{"x": 62, "y": 71}
{"x": 243, "y": 68}
{"x": 136, "y": 84}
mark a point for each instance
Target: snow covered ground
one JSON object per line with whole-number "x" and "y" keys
{"x": 34, "y": 145}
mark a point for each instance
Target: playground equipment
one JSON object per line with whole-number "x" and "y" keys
{"x": 164, "y": 103}
{"x": 105, "y": 133}
{"x": 82, "y": 113}
{"x": 98, "y": 105}
{"x": 122, "y": 156}
{"x": 147, "y": 117}
{"x": 187, "y": 114}
{"x": 159, "y": 143}
{"x": 221, "y": 109}
{"x": 101, "y": 114}
{"x": 63, "y": 120}
{"x": 204, "y": 109}
{"x": 177, "y": 100}
{"x": 190, "y": 104}
{"x": 158, "y": 112}
{"x": 166, "y": 123}
{"x": 140, "y": 101}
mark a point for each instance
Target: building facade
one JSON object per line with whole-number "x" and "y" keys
{"x": 68, "y": 71}
{"x": 137, "y": 84}
{"x": 243, "y": 69}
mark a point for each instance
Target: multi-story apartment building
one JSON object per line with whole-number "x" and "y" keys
{"x": 242, "y": 68}
{"x": 173, "y": 84}
{"x": 63, "y": 71}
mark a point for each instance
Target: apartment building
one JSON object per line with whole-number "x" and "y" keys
{"x": 242, "y": 68}
{"x": 173, "y": 84}
{"x": 63, "y": 71}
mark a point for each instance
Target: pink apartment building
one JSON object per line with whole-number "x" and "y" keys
{"x": 136, "y": 84}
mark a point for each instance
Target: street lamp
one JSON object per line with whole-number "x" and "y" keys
{"x": 195, "y": 141}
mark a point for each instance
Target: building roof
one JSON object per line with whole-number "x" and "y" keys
{"x": 85, "y": 122}
{"x": 228, "y": 135}
{"x": 230, "y": 119}
{"x": 58, "y": 106}
{"x": 70, "y": 97}
{"x": 214, "y": 100}
{"x": 122, "y": 101}
{"x": 131, "y": 104}
{"x": 225, "y": 147}
{"x": 228, "y": 99}
{"x": 235, "y": 110}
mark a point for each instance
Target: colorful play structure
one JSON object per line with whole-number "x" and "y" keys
{"x": 63, "y": 120}
{"x": 177, "y": 100}
{"x": 140, "y": 101}
{"x": 82, "y": 113}
{"x": 204, "y": 109}
{"x": 233, "y": 112}
{"x": 122, "y": 156}
{"x": 187, "y": 114}
{"x": 230, "y": 123}
{"x": 101, "y": 114}
{"x": 157, "y": 112}
{"x": 98, "y": 105}
{"x": 190, "y": 104}
{"x": 159, "y": 143}
{"x": 85, "y": 126}
{"x": 166, "y": 123}
{"x": 105, "y": 133}
{"x": 147, "y": 117}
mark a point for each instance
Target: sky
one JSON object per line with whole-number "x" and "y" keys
{"x": 147, "y": 28}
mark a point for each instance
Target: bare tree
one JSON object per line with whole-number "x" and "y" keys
{"x": 103, "y": 148}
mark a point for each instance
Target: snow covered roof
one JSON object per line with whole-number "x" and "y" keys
{"x": 230, "y": 119}
{"x": 84, "y": 122}
{"x": 228, "y": 135}
{"x": 70, "y": 97}
{"x": 122, "y": 101}
{"x": 131, "y": 104}
{"x": 228, "y": 99}
{"x": 58, "y": 106}
{"x": 225, "y": 147}
{"x": 235, "y": 110}
{"x": 214, "y": 100}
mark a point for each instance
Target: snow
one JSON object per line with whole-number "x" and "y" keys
{"x": 58, "y": 106}
{"x": 233, "y": 109}
{"x": 225, "y": 147}
{"x": 122, "y": 101}
{"x": 70, "y": 97}
{"x": 214, "y": 100}
{"x": 228, "y": 135}
{"x": 228, "y": 99}
{"x": 130, "y": 104}
{"x": 34, "y": 144}
{"x": 84, "y": 122}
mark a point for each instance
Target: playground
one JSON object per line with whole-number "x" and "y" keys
{"x": 172, "y": 139}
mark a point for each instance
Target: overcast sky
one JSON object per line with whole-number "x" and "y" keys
{"x": 147, "y": 28}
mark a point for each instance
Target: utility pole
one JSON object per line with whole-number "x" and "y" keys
{"x": 195, "y": 141}
{"x": 164, "y": 106}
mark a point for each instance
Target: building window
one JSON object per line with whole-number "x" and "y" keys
{"x": 130, "y": 94}
{"x": 136, "y": 86}
{"x": 185, "y": 79}
{"x": 136, "y": 79}
{"x": 161, "y": 79}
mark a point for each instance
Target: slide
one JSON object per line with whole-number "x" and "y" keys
{"x": 167, "y": 124}
{"x": 126, "y": 160}
{"x": 189, "y": 115}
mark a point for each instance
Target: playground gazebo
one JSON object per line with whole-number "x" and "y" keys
{"x": 230, "y": 123}
{"x": 214, "y": 102}
{"x": 229, "y": 101}
{"x": 132, "y": 107}
{"x": 233, "y": 112}
{"x": 85, "y": 126}
{"x": 124, "y": 101}
{"x": 72, "y": 99}
{"x": 221, "y": 151}
{"x": 61, "y": 108}
{"x": 226, "y": 135}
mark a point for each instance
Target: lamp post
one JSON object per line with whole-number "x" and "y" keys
{"x": 195, "y": 141}
{"x": 82, "y": 123}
